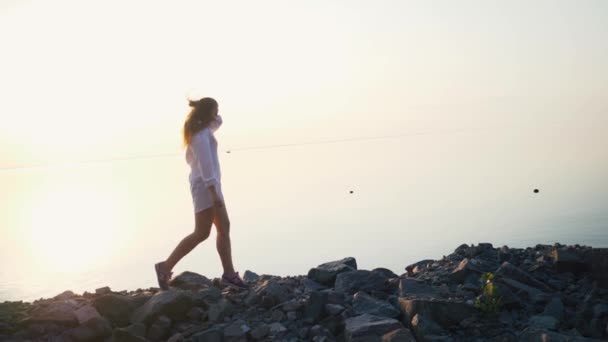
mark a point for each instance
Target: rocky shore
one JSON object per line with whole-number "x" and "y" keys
{"x": 477, "y": 293}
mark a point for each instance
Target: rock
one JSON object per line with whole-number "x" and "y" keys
{"x": 385, "y": 272}
{"x": 159, "y": 330}
{"x": 527, "y": 293}
{"x": 190, "y": 281}
{"x": 176, "y": 338}
{"x": 444, "y": 312}
{"x": 326, "y": 273}
{"x": 600, "y": 310}
{"x": 334, "y": 309}
{"x": 172, "y": 303}
{"x": 364, "y": 303}
{"x": 415, "y": 287}
{"x": 277, "y": 316}
{"x": 260, "y": 332}
{"x": 464, "y": 269}
{"x": 116, "y": 308}
{"x": 398, "y": 335}
{"x": 567, "y": 259}
{"x": 133, "y": 333}
{"x": 534, "y": 334}
{"x": 545, "y": 322}
{"x": 93, "y": 329}
{"x": 85, "y": 313}
{"x": 56, "y": 312}
{"x": 250, "y": 277}
{"x": 423, "y": 327}
{"x": 353, "y": 281}
{"x": 555, "y": 309}
{"x": 368, "y": 327}
{"x": 236, "y": 332}
{"x": 599, "y": 266}
{"x": 418, "y": 266}
{"x": 507, "y": 270}
{"x": 207, "y": 295}
{"x": 271, "y": 289}
{"x": 311, "y": 285}
{"x": 195, "y": 314}
{"x": 209, "y": 335}
{"x": 103, "y": 290}
{"x": 315, "y": 307}
{"x": 276, "y": 329}
{"x": 65, "y": 295}
{"x": 219, "y": 310}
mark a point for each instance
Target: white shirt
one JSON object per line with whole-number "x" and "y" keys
{"x": 202, "y": 156}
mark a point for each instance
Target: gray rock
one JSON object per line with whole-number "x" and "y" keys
{"x": 190, "y": 280}
{"x": 444, "y": 312}
{"x": 464, "y": 269}
{"x": 260, "y": 332}
{"x": 334, "y": 309}
{"x": 326, "y": 273}
{"x": 535, "y": 334}
{"x": 86, "y": 313}
{"x": 415, "y": 287}
{"x": 315, "y": 307}
{"x": 116, "y": 308}
{"x": 423, "y": 327}
{"x": 399, "y": 335}
{"x": 508, "y": 270}
{"x": 276, "y": 329}
{"x": 159, "y": 330}
{"x": 94, "y": 329}
{"x": 364, "y": 303}
{"x": 176, "y": 338}
{"x": 133, "y": 333}
{"x": 61, "y": 313}
{"x": 418, "y": 266}
{"x": 209, "y": 335}
{"x": 600, "y": 310}
{"x": 353, "y": 281}
{"x": 545, "y": 322}
{"x": 172, "y": 303}
{"x": 555, "y": 308}
{"x": 385, "y": 272}
{"x": 525, "y": 292}
{"x": 271, "y": 289}
{"x": 368, "y": 327}
{"x": 250, "y": 276}
{"x": 103, "y": 290}
{"x": 195, "y": 314}
{"x": 207, "y": 295}
{"x": 219, "y": 310}
{"x": 236, "y": 332}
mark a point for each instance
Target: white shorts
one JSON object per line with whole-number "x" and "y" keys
{"x": 201, "y": 196}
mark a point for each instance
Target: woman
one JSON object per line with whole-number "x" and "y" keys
{"x": 206, "y": 188}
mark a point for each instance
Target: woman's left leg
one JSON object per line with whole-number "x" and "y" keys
{"x": 222, "y": 224}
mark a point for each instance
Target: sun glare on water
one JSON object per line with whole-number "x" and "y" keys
{"x": 72, "y": 227}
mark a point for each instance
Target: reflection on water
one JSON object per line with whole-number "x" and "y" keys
{"x": 88, "y": 226}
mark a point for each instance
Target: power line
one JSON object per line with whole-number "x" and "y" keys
{"x": 260, "y": 147}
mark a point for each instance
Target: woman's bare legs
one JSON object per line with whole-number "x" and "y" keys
{"x": 222, "y": 224}
{"x": 203, "y": 221}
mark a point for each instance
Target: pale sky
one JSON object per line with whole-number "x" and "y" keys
{"x": 88, "y": 80}
{"x": 91, "y": 79}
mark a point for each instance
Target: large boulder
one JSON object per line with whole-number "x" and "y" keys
{"x": 172, "y": 303}
{"x": 444, "y": 312}
{"x": 189, "y": 280}
{"x": 61, "y": 313}
{"x": 326, "y": 273}
{"x": 415, "y": 287}
{"x": 118, "y": 309}
{"x": 508, "y": 270}
{"x": 368, "y": 327}
{"x": 364, "y": 303}
{"x": 353, "y": 281}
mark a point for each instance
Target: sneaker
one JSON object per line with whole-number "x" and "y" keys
{"x": 162, "y": 275}
{"x": 235, "y": 280}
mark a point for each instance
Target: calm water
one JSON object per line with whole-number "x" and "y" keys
{"x": 91, "y": 225}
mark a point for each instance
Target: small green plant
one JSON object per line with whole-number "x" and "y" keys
{"x": 489, "y": 302}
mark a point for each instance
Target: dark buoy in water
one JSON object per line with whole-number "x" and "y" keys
{"x": 351, "y": 191}
{"x": 535, "y": 191}
{"x": 228, "y": 151}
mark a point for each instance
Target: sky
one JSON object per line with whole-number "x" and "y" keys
{"x": 92, "y": 80}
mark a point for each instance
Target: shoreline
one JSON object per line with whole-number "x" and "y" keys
{"x": 476, "y": 293}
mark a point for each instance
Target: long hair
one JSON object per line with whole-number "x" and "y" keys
{"x": 199, "y": 117}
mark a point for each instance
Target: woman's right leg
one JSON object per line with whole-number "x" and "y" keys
{"x": 203, "y": 222}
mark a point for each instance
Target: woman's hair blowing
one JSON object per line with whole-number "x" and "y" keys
{"x": 199, "y": 117}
